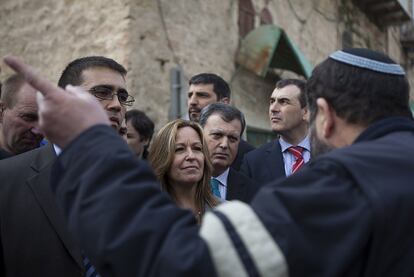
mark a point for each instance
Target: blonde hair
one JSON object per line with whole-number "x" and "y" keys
{"x": 161, "y": 155}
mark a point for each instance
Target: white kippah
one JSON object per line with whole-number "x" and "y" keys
{"x": 351, "y": 59}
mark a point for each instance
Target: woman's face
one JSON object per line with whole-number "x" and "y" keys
{"x": 135, "y": 140}
{"x": 188, "y": 163}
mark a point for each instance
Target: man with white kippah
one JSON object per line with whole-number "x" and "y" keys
{"x": 346, "y": 213}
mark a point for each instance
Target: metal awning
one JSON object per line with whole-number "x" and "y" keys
{"x": 268, "y": 47}
{"x": 386, "y": 12}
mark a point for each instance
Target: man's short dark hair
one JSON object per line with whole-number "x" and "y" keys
{"x": 358, "y": 95}
{"x": 141, "y": 123}
{"x": 10, "y": 88}
{"x": 300, "y": 84}
{"x": 220, "y": 87}
{"x": 72, "y": 74}
{"x": 226, "y": 112}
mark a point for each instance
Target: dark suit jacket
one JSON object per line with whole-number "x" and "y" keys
{"x": 4, "y": 154}
{"x": 240, "y": 187}
{"x": 138, "y": 231}
{"x": 34, "y": 240}
{"x": 165, "y": 251}
{"x": 244, "y": 147}
{"x": 265, "y": 163}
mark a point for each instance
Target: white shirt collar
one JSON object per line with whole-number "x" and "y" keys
{"x": 57, "y": 149}
{"x": 223, "y": 177}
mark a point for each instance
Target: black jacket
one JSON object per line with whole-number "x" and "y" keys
{"x": 4, "y": 154}
{"x": 240, "y": 187}
{"x": 346, "y": 213}
{"x": 244, "y": 147}
{"x": 264, "y": 164}
{"x": 34, "y": 240}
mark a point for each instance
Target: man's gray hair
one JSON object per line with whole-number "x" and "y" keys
{"x": 227, "y": 113}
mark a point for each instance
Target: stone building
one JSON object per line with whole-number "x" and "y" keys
{"x": 250, "y": 43}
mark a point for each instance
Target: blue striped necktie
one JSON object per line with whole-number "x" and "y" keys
{"x": 89, "y": 268}
{"x": 214, "y": 183}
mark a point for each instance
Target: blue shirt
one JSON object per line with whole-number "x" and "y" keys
{"x": 288, "y": 158}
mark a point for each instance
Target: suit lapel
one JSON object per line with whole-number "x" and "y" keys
{"x": 274, "y": 161}
{"x": 39, "y": 184}
{"x": 235, "y": 188}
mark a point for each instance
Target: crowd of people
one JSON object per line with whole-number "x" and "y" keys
{"x": 88, "y": 189}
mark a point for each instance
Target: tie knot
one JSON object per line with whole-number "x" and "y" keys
{"x": 296, "y": 151}
{"x": 215, "y": 183}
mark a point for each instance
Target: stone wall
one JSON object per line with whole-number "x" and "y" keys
{"x": 198, "y": 36}
{"x": 312, "y": 26}
{"x": 317, "y": 27}
{"x": 49, "y": 33}
{"x": 151, "y": 37}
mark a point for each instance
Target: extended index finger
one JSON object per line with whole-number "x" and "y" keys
{"x": 31, "y": 76}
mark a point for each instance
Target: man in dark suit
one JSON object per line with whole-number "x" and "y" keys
{"x": 351, "y": 204}
{"x": 223, "y": 125}
{"x": 208, "y": 88}
{"x": 288, "y": 117}
{"x": 34, "y": 240}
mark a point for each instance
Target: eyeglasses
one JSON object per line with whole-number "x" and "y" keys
{"x": 107, "y": 93}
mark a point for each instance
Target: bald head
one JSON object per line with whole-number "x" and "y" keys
{"x": 10, "y": 89}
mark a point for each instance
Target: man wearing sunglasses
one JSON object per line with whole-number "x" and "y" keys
{"x": 34, "y": 239}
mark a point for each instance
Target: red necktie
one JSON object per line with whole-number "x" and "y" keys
{"x": 296, "y": 151}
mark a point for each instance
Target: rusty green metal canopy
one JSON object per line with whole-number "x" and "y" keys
{"x": 268, "y": 47}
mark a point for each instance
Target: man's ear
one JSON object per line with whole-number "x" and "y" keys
{"x": 225, "y": 100}
{"x": 145, "y": 141}
{"x": 305, "y": 114}
{"x": 325, "y": 118}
